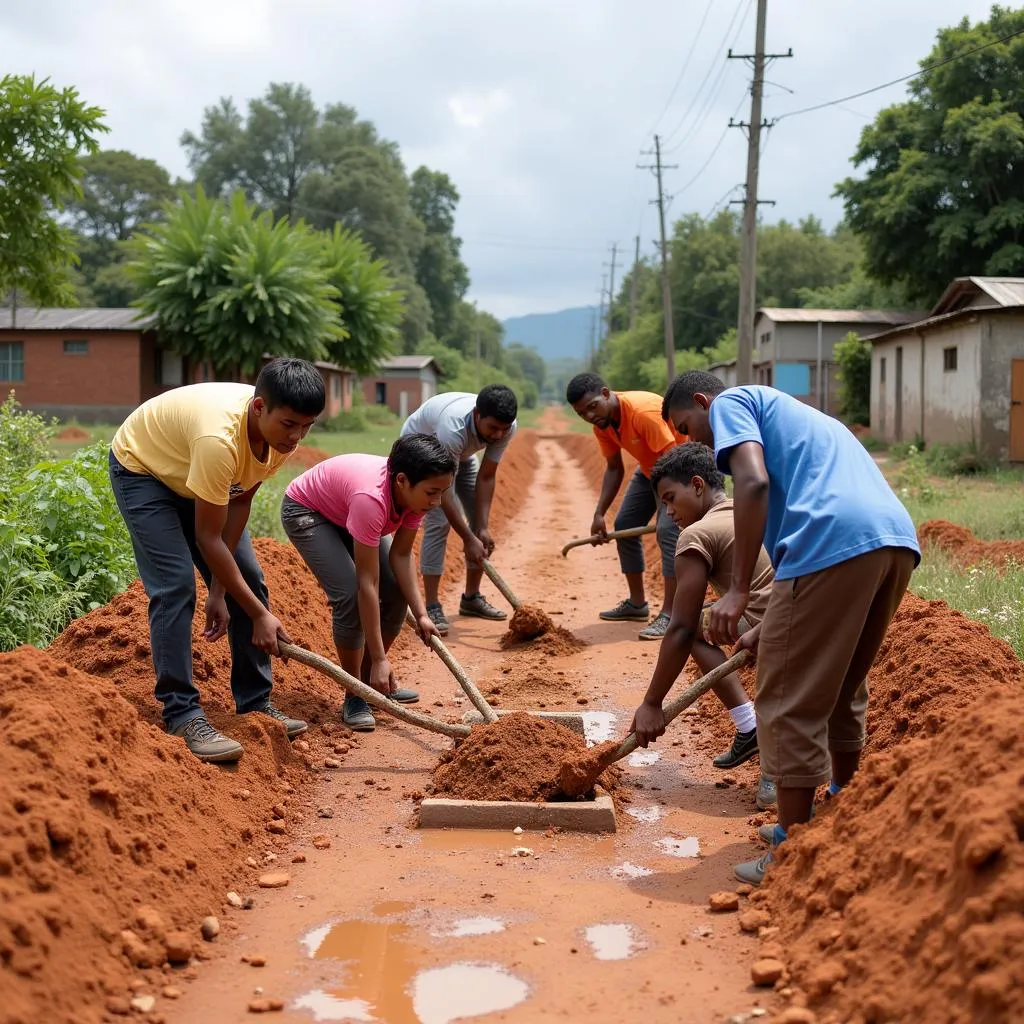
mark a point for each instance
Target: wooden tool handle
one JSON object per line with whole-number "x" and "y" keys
{"x": 368, "y": 693}
{"x": 506, "y": 591}
{"x": 689, "y": 696}
{"x": 469, "y": 688}
{"x": 633, "y": 531}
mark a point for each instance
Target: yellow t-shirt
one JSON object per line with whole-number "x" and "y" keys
{"x": 194, "y": 440}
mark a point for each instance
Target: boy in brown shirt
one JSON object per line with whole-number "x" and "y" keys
{"x": 690, "y": 486}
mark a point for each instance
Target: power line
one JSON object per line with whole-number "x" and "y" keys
{"x": 718, "y": 146}
{"x": 714, "y": 209}
{"x": 903, "y": 78}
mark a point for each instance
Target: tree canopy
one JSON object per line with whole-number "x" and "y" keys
{"x": 942, "y": 193}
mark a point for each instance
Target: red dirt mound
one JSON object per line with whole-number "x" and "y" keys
{"x": 967, "y": 549}
{"x": 907, "y": 902}
{"x": 102, "y": 815}
{"x": 73, "y": 434}
{"x": 307, "y": 456}
{"x": 516, "y": 758}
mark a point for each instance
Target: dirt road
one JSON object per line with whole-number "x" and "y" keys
{"x": 402, "y": 925}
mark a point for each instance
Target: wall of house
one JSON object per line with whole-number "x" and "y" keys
{"x": 1002, "y": 342}
{"x": 416, "y": 385}
{"x": 950, "y": 412}
{"x": 101, "y": 385}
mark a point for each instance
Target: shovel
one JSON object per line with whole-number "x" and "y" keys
{"x": 369, "y": 694}
{"x": 506, "y": 591}
{"x": 578, "y": 777}
{"x": 633, "y": 531}
{"x": 468, "y": 686}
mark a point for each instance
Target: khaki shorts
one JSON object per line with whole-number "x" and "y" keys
{"x": 820, "y": 637}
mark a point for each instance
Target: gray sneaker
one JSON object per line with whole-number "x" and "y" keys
{"x": 767, "y": 794}
{"x": 752, "y": 872}
{"x": 477, "y": 606}
{"x": 626, "y": 611}
{"x": 657, "y": 628}
{"x": 293, "y": 726}
{"x": 356, "y": 714}
{"x": 438, "y": 618}
{"x": 772, "y": 834}
{"x": 206, "y": 742}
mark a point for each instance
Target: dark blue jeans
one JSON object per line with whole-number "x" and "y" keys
{"x": 163, "y": 531}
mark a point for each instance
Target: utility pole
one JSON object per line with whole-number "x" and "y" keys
{"x": 632, "y": 285}
{"x": 611, "y": 286}
{"x": 748, "y": 244}
{"x": 600, "y": 311}
{"x": 666, "y": 290}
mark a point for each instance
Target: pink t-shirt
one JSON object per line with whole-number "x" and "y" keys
{"x": 353, "y": 491}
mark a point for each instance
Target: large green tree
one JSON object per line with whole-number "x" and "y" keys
{"x": 942, "y": 193}
{"x": 43, "y": 133}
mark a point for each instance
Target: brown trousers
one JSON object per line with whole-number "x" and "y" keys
{"x": 820, "y": 637}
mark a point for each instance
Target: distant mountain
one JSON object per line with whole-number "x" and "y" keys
{"x": 554, "y": 335}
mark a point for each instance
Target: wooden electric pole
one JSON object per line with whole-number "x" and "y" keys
{"x": 611, "y": 285}
{"x": 748, "y": 241}
{"x": 666, "y": 289}
{"x": 633, "y": 285}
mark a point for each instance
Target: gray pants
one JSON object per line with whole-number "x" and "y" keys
{"x": 436, "y": 526}
{"x": 329, "y": 552}
{"x": 638, "y": 505}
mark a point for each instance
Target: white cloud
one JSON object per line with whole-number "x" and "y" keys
{"x": 473, "y": 110}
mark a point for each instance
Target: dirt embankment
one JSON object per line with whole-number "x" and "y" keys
{"x": 967, "y": 549}
{"x": 112, "y": 837}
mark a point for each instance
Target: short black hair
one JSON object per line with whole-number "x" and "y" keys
{"x": 581, "y": 385}
{"x": 294, "y": 383}
{"x": 681, "y": 391}
{"x": 419, "y": 457}
{"x": 686, "y": 461}
{"x": 497, "y": 402}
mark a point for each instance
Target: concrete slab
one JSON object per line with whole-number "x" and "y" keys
{"x": 570, "y": 719}
{"x": 597, "y": 815}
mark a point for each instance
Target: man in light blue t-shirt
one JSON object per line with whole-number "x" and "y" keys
{"x": 843, "y": 548}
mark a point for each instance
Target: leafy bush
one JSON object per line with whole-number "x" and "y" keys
{"x": 265, "y": 517}
{"x": 354, "y": 420}
{"x": 956, "y": 460}
{"x": 24, "y": 440}
{"x": 853, "y": 360}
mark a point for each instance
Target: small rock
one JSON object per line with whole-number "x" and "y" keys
{"x": 256, "y": 960}
{"x": 243, "y": 794}
{"x": 582, "y": 700}
{"x": 768, "y": 933}
{"x": 723, "y": 902}
{"x": 170, "y": 992}
{"x": 118, "y": 1006}
{"x": 277, "y": 828}
{"x": 274, "y": 880}
{"x": 729, "y": 780}
{"x": 136, "y": 950}
{"x": 766, "y": 972}
{"x": 178, "y": 947}
{"x": 248, "y": 903}
{"x": 758, "y": 1011}
{"x": 149, "y": 920}
{"x": 325, "y": 812}
{"x": 796, "y": 1015}
{"x": 278, "y": 810}
{"x": 753, "y": 920}
{"x": 321, "y": 842}
{"x": 743, "y": 889}
{"x": 331, "y": 762}
{"x": 143, "y": 1004}
{"x": 518, "y": 830}
{"x": 265, "y": 1005}
{"x": 521, "y": 851}
{"x": 210, "y": 928}
{"x": 252, "y": 862}
{"x": 302, "y": 746}
{"x": 538, "y": 941}
{"x": 299, "y": 858}
{"x": 233, "y": 899}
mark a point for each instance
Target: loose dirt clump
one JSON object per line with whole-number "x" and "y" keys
{"x": 967, "y": 549}
{"x": 516, "y": 758}
{"x": 528, "y": 622}
{"x": 580, "y": 771}
{"x": 911, "y": 892}
{"x": 555, "y": 641}
{"x": 73, "y": 434}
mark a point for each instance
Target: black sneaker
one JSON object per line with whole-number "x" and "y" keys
{"x": 206, "y": 742}
{"x": 626, "y": 611}
{"x": 477, "y": 606}
{"x": 743, "y": 748}
{"x": 293, "y": 726}
{"x": 438, "y": 618}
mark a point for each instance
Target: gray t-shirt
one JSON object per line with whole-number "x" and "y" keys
{"x": 449, "y": 418}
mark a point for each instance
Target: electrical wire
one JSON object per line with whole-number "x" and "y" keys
{"x": 714, "y": 152}
{"x": 904, "y": 78}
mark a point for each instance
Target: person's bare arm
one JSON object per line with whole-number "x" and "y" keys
{"x": 486, "y": 481}
{"x": 614, "y": 474}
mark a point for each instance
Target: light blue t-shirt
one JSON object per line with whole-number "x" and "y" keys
{"x": 827, "y": 499}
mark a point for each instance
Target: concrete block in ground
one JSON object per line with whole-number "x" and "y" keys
{"x": 597, "y": 815}
{"x": 570, "y": 719}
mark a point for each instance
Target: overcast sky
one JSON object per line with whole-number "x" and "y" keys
{"x": 538, "y": 109}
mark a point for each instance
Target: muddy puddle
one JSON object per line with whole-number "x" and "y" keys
{"x": 686, "y": 847}
{"x": 381, "y": 977}
{"x": 613, "y": 941}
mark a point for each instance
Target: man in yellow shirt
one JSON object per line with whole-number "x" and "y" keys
{"x": 184, "y": 468}
{"x": 630, "y": 421}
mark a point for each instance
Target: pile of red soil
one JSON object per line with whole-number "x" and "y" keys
{"x": 516, "y": 758}
{"x": 907, "y": 902}
{"x": 527, "y": 687}
{"x": 73, "y": 434}
{"x": 967, "y": 549}
{"x": 307, "y": 456}
{"x": 528, "y": 622}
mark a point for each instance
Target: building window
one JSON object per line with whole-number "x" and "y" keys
{"x": 381, "y": 396}
{"x": 12, "y": 362}
{"x": 949, "y": 359}
{"x": 881, "y": 370}
{"x": 76, "y": 348}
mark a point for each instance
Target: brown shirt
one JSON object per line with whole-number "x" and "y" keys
{"x": 712, "y": 538}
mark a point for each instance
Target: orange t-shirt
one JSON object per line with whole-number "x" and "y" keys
{"x": 642, "y": 432}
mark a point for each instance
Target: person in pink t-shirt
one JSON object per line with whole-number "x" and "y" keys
{"x": 341, "y": 516}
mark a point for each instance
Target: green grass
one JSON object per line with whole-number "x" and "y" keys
{"x": 372, "y": 441}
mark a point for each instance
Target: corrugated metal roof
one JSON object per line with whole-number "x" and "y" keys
{"x": 839, "y": 316}
{"x": 1003, "y": 291}
{"x": 966, "y": 313}
{"x": 29, "y": 318}
{"x": 414, "y": 362}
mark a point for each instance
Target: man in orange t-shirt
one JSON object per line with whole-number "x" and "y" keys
{"x": 630, "y": 421}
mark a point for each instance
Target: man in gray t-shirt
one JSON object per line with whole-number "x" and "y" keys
{"x": 465, "y": 424}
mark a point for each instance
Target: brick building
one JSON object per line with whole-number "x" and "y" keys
{"x": 402, "y": 383}
{"x": 97, "y": 365}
